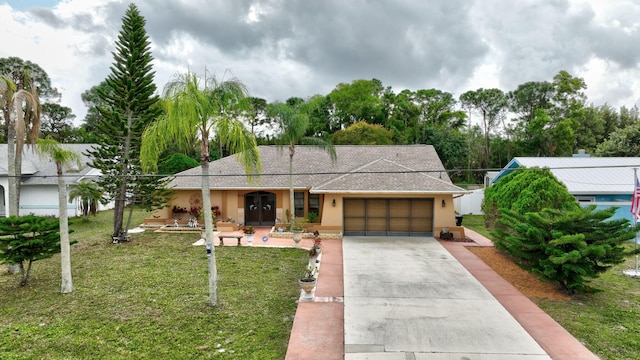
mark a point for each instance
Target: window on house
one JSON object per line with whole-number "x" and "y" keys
{"x": 298, "y": 203}
{"x": 585, "y": 199}
{"x": 314, "y": 203}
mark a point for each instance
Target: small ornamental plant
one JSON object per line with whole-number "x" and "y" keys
{"x": 248, "y": 229}
{"x": 309, "y": 273}
{"x": 179, "y": 210}
{"x": 215, "y": 211}
{"x": 314, "y": 251}
{"x": 316, "y": 239}
{"x": 195, "y": 211}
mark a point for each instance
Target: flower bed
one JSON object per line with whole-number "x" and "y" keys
{"x": 274, "y": 233}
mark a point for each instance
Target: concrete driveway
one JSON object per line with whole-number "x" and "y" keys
{"x": 409, "y": 299}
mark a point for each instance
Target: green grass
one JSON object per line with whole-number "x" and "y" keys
{"x": 148, "y": 299}
{"x": 607, "y": 322}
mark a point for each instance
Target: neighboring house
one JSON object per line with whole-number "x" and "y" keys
{"x": 369, "y": 190}
{"x": 601, "y": 181}
{"x": 39, "y": 183}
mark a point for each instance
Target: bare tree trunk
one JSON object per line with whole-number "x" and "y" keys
{"x": 208, "y": 224}
{"x": 25, "y": 274}
{"x": 65, "y": 247}
{"x": 13, "y": 182}
{"x": 14, "y": 198}
{"x": 131, "y": 206}
{"x": 292, "y": 205}
{"x": 121, "y": 196}
{"x": 118, "y": 209}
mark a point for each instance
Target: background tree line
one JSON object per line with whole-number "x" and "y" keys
{"x": 481, "y": 129}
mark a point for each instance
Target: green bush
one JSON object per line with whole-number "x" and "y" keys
{"x": 566, "y": 247}
{"x": 26, "y": 239}
{"x": 526, "y": 190}
{"x": 176, "y": 163}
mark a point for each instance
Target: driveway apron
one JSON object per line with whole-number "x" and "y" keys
{"x": 407, "y": 298}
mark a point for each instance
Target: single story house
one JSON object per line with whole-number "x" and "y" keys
{"x": 368, "y": 190}
{"x": 600, "y": 181}
{"x": 39, "y": 182}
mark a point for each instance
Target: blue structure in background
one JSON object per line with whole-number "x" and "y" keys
{"x": 604, "y": 182}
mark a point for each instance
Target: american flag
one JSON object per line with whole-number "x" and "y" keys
{"x": 635, "y": 200}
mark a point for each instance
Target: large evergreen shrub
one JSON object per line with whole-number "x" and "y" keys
{"x": 25, "y": 239}
{"x": 564, "y": 246}
{"x": 526, "y": 190}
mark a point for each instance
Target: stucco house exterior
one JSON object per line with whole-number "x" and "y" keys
{"x": 368, "y": 190}
{"x": 600, "y": 181}
{"x": 39, "y": 183}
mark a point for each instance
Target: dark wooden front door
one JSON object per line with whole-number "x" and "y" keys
{"x": 260, "y": 208}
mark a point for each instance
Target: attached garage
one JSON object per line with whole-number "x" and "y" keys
{"x": 388, "y": 216}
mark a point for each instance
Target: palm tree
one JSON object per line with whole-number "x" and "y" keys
{"x": 206, "y": 107}
{"x": 25, "y": 105}
{"x": 7, "y": 88}
{"x": 89, "y": 194}
{"x": 15, "y": 105}
{"x": 62, "y": 157}
{"x": 293, "y": 122}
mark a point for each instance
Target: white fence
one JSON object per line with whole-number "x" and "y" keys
{"x": 470, "y": 203}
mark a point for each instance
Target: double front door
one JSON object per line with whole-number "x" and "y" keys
{"x": 260, "y": 208}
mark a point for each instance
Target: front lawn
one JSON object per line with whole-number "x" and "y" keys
{"x": 148, "y": 299}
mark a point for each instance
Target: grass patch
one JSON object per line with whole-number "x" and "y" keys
{"x": 149, "y": 299}
{"x": 607, "y": 322}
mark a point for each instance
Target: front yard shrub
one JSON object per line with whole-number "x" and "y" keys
{"x": 567, "y": 247}
{"x": 526, "y": 190}
{"x": 25, "y": 239}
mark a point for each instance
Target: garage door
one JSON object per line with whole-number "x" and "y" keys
{"x": 409, "y": 217}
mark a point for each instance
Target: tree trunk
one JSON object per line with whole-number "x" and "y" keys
{"x": 121, "y": 196}
{"x": 65, "y": 247}
{"x": 118, "y": 209}
{"x": 486, "y": 139}
{"x": 25, "y": 274}
{"x": 13, "y": 183}
{"x": 292, "y": 205}
{"x": 14, "y": 199}
{"x": 132, "y": 205}
{"x": 208, "y": 224}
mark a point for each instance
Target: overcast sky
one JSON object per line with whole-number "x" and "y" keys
{"x": 304, "y": 47}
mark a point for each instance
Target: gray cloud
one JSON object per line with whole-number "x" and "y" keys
{"x": 284, "y": 48}
{"x": 48, "y": 17}
{"x": 398, "y": 42}
{"x": 534, "y": 40}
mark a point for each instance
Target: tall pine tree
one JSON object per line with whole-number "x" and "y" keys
{"x": 130, "y": 105}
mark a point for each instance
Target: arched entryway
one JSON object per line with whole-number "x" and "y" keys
{"x": 260, "y": 208}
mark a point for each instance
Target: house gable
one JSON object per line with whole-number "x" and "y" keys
{"x": 385, "y": 177}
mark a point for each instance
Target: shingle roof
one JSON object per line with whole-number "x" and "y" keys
{"x": 381, "y": 169}
{"x": 587, "y": 175}
{"x": 41, "y": 170}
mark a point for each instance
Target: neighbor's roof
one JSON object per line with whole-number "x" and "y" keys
{"x": 41, "y": 170}
{"x": 584, "y": 175}
{"x": 365, "y": 169}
